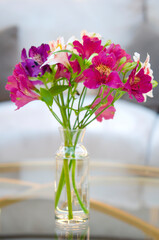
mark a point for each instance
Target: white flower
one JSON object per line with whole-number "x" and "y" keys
{"x": 147, "y": 70}
{"x": 136, "y": 57}
{"x": 59, "y": 57}
{"x": 92, "y": 34}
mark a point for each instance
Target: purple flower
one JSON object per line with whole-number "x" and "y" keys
{"x": 37, "y": 56}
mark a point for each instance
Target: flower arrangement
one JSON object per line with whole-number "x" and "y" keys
{"x": 53, "y": 72}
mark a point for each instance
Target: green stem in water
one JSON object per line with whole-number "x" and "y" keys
{"x": 64, "y": 178}
{"x": 75, "y": 189}
{"x": 60, "y": 185}
{"x": 68, "y": 188}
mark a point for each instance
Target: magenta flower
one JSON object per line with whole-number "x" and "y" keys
{"x": 101, "y": 72}
{"x": 63, "y": 72}
{"x": 138, "y": 84}
{"x": 20, "y": 87}
{"x": 119, "y": 53}
{"x": 90, "y": 45}
{"x": 107, "y": 113}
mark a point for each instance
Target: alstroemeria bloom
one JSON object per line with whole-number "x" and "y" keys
{"x": 101, "y": 72}
{"x": 138, "y": 84}
{"x": 90, "y": 34}
{"x": 109, "y": 112}
{"x": 37, "y": 56}
{"x": 147, "y": 70}
{"x": 119, "y": 53}
{"x": 89, "y": 46}
{"x": 63, "y": 72}
{"x": 31, "y": 67}
{"x": 20, "y": 87}
{"x": 59, "y": 57}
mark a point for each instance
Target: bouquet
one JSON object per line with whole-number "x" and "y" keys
{"x": 60, "y": 74}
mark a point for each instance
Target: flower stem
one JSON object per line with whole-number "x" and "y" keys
{"x": 68, "y": 188}
{"x": 75, "y": 189}
{"x": 55, "y": 116}
{"x": 64, "y": 178}
{"x": 61, "y": 184}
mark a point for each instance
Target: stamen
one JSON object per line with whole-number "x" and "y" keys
{"x": 103, "y": 69}
{"x": 136, "y": 80}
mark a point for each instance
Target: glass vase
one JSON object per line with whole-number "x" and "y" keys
{"x": 72, "y": 179}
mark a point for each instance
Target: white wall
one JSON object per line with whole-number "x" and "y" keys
{"x": 41, "y": 21}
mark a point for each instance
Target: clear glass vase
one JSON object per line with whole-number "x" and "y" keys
{"x": 72, "y": 179}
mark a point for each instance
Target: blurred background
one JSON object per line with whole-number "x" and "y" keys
{"x": 31, "y": 133}
{"x": 133, "y": 135}
{"x": 131, "y": 23}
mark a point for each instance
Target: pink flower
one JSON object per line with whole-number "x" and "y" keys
{"x": 89, "y": 46}
{"x": 107, "y": 113}
{"x": 119, "y": 53}
{"x": 20, "y": 87}
{"x": 138, "y": 84}
{"x": 101, "y": 72}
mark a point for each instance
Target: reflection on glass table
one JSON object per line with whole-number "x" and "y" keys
{"x": 124, "y": 202}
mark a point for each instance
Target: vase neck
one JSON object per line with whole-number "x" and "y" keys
{"x": 71, "y": 138}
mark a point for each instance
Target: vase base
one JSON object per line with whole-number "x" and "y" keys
{"x": 78, "y": 221}
{"x": 74, "y": 225}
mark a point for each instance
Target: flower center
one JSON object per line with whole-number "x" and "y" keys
{"x": 37, "y": 58}
{"x": 136, "y": 80}
{"x": 103, "y": 69}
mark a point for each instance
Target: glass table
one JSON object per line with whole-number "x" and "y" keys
{"x": 124, "y": 201}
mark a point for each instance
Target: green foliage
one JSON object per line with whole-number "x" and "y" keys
{"x": 57, "y": 89}
{"x": 154, "y": 83}
{"x": 89, "y": 61}
{"x": 129, "y": 66}
{"x": 107, "y": 43}
{"x": 46, "y": 96}
{"x": 122, "y": 60}
{"x": 139, "y": 67}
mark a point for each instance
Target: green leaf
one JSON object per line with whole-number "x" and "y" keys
{"x": 122, "y": 60}
{"x": 79, "y": 59}
{"x": 129, "y": 66}
{"x": 85, "y": 108}
{"x": 107, "y": 43}
{"x": 139, "y": 66}
{"x": 126, "y": 66}
{"x": 133, "y": 65}
{"x": 46, "y": 96}
{"x": 55, "y": 90}
{"x": 33, "y": 78}
{"x": 154, "y": 83}
{"x": 89, "y": 61}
